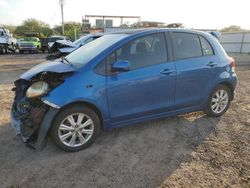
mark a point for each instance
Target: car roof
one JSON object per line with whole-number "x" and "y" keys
{"x": 155, "y": 30}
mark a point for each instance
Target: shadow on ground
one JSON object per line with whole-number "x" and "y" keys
{"x": 137, "y": 156}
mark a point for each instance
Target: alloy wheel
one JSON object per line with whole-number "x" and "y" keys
{"x": 76, "y": 129}
{"x": 219, "y": 101}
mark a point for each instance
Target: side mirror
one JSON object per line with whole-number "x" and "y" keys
{"x": 120, "y": 66}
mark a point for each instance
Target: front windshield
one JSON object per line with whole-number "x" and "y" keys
{"x": 87, "y": 52}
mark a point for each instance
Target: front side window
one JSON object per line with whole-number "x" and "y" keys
{"x": 142, "y": 52}
{"x": 206, "y": 47}
{"x": 186, "y": 45}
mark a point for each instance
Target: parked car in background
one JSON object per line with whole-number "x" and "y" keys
{"x": 18, "y": 41}
{"x": 44, "y": 44}
{"x": 64, "y": 47}
{"x": 53, "y": 39}
{"x": 122, "y": 79}
{"x": 29, "y": 44}
{"x": 7, "y": 41}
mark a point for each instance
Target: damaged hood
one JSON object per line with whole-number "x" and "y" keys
{"x": 50, "y": 66}
{"x": 65, "y": 43}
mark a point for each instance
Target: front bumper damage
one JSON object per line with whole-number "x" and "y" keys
{"x": 32, "y": 122}
{"x": 33, "y": 128}
{"x": 32, "y": 117}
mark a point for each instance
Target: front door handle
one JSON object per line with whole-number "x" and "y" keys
{"x": 167, "y": 71}
{"x": 212, "y": 64}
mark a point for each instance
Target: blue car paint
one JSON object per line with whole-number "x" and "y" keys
{"x": 188, "y": 70}
{"x": 78, "y": 88}
{"x": 118, "y": 97}
{"x": 137, "y": 101}
{"x": 184, "y": 92}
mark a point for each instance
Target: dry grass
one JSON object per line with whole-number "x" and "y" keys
{"x": 6, "y": 97}
{"x": 189, "y": 151}
{"x": 223, "y": 160}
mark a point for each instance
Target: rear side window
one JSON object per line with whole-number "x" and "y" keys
{"x": 206, "y": 47}
{"x": 142, "y": 52}
{"x": 186, "y": 45}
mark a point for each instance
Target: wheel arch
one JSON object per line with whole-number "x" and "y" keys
{"x": 230, "y": 86}
{"x": 88, "y": 104}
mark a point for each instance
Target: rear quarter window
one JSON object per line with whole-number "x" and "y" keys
{"x": 206, "y": 47}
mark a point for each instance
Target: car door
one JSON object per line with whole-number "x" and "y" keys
{"x": 196, "y": 66}
{"x": 148, "y": 88}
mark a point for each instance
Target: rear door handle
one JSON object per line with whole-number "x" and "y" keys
{"x": 212, "y": 64}
{"x": 166, "y": 71}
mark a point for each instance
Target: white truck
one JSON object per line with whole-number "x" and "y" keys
{"x": 7, "y": 41}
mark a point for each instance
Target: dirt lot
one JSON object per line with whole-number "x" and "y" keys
{"x": 192, "y": 150}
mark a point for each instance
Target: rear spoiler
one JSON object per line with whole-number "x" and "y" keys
{"x": 216, "y": 34}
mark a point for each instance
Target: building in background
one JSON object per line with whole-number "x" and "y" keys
{"x": 105, "y": 21}
{"x": 100, "y": 23}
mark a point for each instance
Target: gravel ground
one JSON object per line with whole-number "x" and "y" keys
{"x": 191, "y": 150}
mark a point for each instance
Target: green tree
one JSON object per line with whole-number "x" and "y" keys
{"x": 33, "y": 25}
{"x": 11, "y": 28}
{"x": 69, "y": 29}
{"x": 232, "y": 28}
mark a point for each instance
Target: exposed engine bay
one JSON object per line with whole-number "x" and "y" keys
{"x": 28, "y": 110}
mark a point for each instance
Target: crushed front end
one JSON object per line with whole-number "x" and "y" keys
{"x": 26, "y": 114}
{"x": 29, "y": 112}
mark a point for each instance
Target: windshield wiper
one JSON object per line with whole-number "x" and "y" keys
{"x": 65, "y": 60}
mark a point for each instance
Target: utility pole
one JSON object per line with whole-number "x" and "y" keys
{"x": 61, "y": 3}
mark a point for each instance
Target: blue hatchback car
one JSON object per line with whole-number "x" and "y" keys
{"x": 122, "y": 79}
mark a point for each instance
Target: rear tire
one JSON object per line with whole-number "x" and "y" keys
{"x": 75, "y": 128}
{"x": 218, "y": 101}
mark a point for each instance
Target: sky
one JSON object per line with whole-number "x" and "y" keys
{"x": 198, "y": 14}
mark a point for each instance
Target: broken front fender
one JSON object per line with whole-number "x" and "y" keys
{"x": 44, "y": 128}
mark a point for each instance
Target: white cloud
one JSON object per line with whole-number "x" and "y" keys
{"x": 4, "y": 4}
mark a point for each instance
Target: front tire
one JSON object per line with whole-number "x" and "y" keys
{"x": 219, "y": 101}
{"x": 75, "y": 128}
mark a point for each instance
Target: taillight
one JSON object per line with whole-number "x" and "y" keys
{"x": 232, "y": 65}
